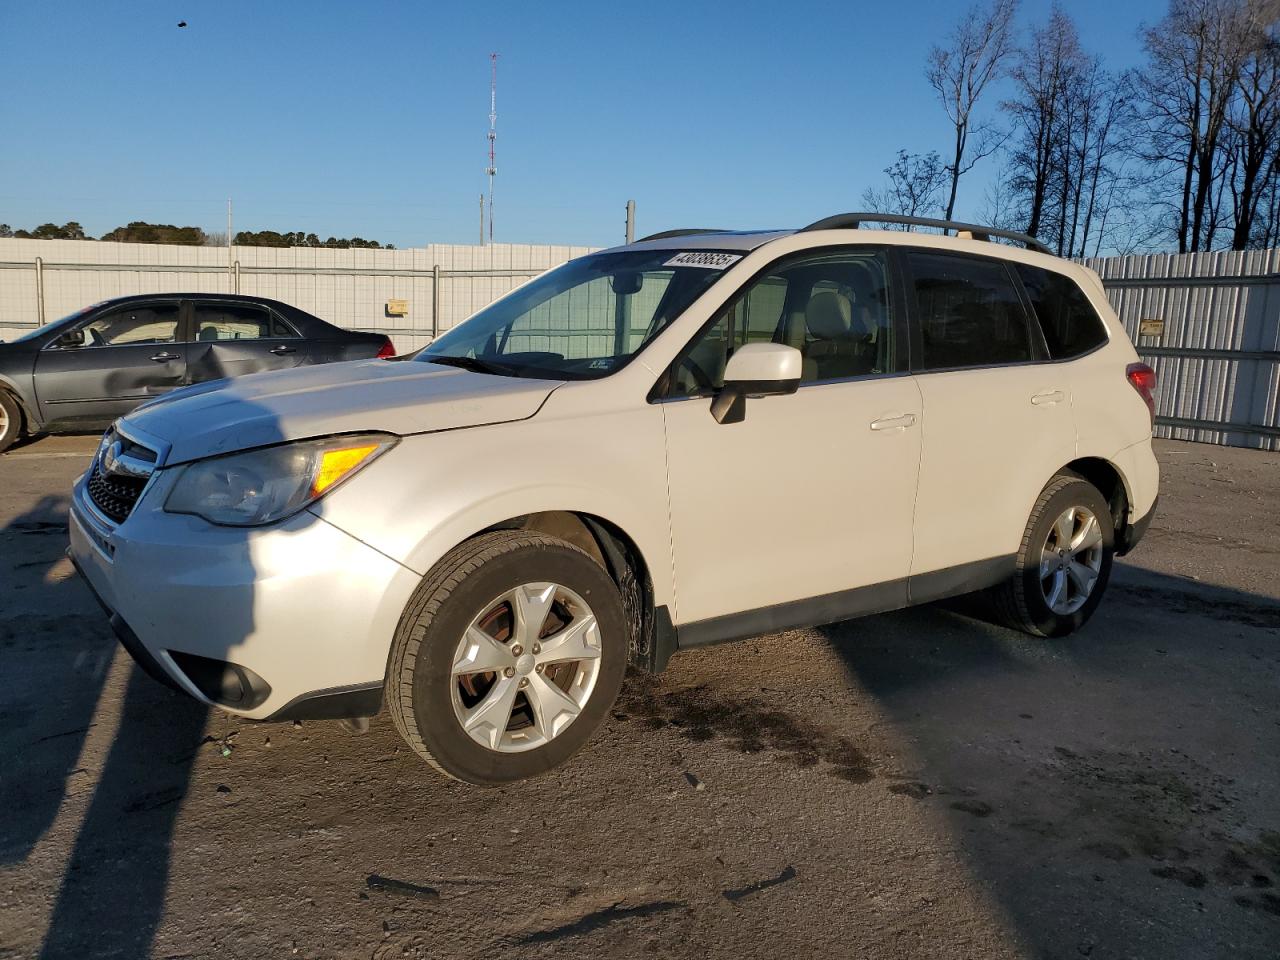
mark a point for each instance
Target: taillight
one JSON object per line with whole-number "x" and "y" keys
{"x": 387, "y": 350}
{"x": 1143, "y": 379}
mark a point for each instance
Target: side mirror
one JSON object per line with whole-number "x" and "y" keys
{"x": 73, "y": 338}
{"x": 756, "y": 370}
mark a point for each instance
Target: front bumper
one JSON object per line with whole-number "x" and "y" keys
{"x": 289, "y": 621}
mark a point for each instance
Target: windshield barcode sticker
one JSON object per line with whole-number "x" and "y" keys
{"x": 705, "y": 259}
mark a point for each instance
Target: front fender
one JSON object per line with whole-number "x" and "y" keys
{"x": 431, "y": 492}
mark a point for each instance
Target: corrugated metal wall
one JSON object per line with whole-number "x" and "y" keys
{"x": 1218, "y": 358}
{"x": 347, "y": 287}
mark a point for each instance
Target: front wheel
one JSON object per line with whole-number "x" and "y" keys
{"x": 10, "y": 421}
{"x": 507, "y": 658}
{"x": 1064, "y": 562}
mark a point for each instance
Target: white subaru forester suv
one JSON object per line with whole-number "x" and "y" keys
{"x": 698, "y": 437}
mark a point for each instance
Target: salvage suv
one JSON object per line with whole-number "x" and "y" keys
{"x": 701, "y": 436}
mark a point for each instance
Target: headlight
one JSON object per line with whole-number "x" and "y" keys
{"x": 261, "y": 486}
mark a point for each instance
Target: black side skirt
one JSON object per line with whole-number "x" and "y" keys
{"x": 848, "y": 604}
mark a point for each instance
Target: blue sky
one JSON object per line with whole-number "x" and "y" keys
{"x": 370, "y": 118}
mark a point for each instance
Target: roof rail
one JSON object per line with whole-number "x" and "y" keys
{"x": 668, "y": 234}
{"x": 851, "y": 221}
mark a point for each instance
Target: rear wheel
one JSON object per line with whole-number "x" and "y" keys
{"x": 1064, "y": 562}
{"x": 10, "y": 420}
{"x": 508, "y": 657}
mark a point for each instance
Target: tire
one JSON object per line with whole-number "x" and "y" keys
{"x": 427, "y": 699}
{"x": 10, "y": 420}
{"x": 1024, "y": 601}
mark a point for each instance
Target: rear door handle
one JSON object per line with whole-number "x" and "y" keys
{"x": 1048, "y": 397}
{"x": 894, "y": 423}
{"x": 165, "y": 357}
{"x": 281, "y": 350}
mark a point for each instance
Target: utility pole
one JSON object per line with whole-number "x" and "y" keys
{"x": 493, "y": 132}
{"x": 631, "y": 221}
{"x": 231, "y": 280}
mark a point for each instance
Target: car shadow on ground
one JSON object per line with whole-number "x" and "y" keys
{"x": 111, "y": 895}
{"x": 1106, "y": 788}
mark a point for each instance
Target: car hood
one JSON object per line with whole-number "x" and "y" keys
{"x": 362, "y": 395}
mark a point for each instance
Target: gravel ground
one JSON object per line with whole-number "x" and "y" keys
{"x": 914, "y": 784}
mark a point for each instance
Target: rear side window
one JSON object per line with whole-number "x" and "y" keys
{"x": 237, "y": 321}
{"x": 969, "y": 311}
{"x": 1071, "y": 326}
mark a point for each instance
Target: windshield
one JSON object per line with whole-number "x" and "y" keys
{"x": 584, "y": 319}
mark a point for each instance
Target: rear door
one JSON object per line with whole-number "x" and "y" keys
{"x": 129, "y": 354}
{"x": 232, "y": 338}
{"x": 997, "y": 419}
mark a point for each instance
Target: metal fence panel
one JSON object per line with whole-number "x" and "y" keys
{"x": 350, "y": 288}
{"x": 1218, "y": 357}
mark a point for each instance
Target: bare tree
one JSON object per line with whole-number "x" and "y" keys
{"x": 976, "y": 54}
{"x": 1065, "y": 154}
{"x": 1254, "y": 127}
{"x": 1194, "y": 60}
{"x": 1041, "y": 75}
{"x": 915, "y": 186}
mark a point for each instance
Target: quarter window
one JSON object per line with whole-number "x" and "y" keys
{"x": 969, "y": 312}
{"x": 134, "y": 324}
{"x": 835, "y": 309}
{"x": 1071, "y": 326}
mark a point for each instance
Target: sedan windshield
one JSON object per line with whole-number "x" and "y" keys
{"x": 49, "y": 328}
{"x": 583, "y": 320}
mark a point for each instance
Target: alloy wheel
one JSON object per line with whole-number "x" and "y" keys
{"x": 1071, "y": 560}
{"x": 525, "y": 667}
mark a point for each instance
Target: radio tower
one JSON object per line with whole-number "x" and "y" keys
{"x": 493, "y": 131}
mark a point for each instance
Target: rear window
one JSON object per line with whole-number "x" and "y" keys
{"x": 1071, "y": 326}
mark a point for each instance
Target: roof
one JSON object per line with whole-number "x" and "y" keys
{"x": 745, "y": 240}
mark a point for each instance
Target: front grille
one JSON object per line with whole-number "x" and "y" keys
{"x": 115, "y": 496}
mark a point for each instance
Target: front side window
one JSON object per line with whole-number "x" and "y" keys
{"x": 134, "y": 324}
{"x": 834, "y": 308}
{"x": 1071, "y": 326}
{"x": 236, "y": 321}
{"x": 584, "y": 319}
{"x": 969, "y": 311}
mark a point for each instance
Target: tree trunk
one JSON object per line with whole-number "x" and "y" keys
{"x": 955, "y": 171}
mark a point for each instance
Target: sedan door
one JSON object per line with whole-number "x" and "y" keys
{"x": 802, "y": 512}
{"x": 121, "y": 357}
{"x": 233, "y": 337}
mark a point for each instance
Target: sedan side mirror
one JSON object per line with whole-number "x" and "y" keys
{"x": 73, "y": 338}
{"x": 756, "y": 370}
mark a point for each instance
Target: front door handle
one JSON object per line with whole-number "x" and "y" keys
{"x": 1048, "y": 397}
{"x": 894, "y": 423}
{"x": 165, "y": 357}
{"x": 281, "y": 350}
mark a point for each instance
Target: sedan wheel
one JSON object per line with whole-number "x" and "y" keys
{"x": 10, "y": 421}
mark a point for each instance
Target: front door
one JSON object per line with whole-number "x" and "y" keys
{"x": 801, "y": 513}
{"x": 125, "y": 355}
